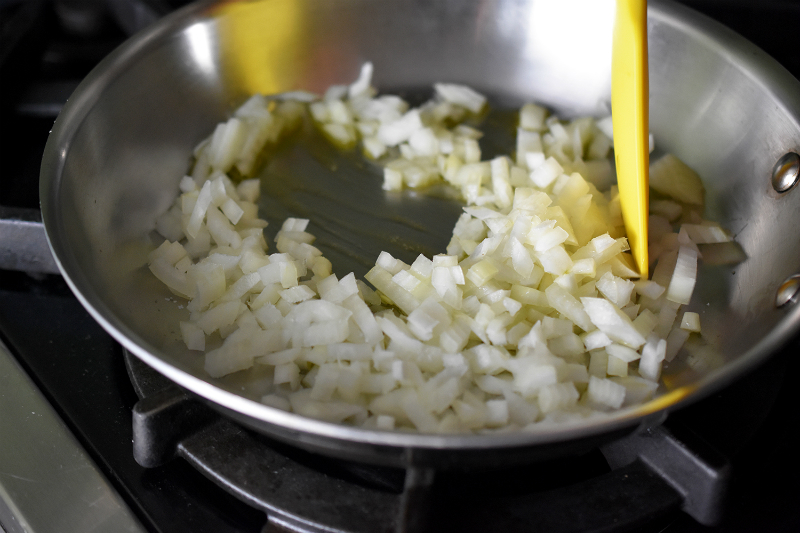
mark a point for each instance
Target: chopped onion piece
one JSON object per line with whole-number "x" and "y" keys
{"x": 653, "y": 354}
{"x": 691, "y": 322}
{"x": 684, "y": 276}
{"x": 605, "y": 392}
{"x": 672, "y": 177}
{"x": 461, "y": 95}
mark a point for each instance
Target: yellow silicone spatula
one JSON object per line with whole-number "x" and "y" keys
{"x": 629, "y": 110}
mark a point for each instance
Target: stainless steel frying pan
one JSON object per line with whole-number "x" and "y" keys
{"x": 122, "y": 143}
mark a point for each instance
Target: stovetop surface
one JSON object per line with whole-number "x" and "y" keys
{"x": 80, "y": 369}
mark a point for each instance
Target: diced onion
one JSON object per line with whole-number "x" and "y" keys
{"x": 535, "y": 313}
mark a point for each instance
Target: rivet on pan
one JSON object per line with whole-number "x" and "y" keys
{"x": 789, "y": 291}
{"x": 786, "y": 172}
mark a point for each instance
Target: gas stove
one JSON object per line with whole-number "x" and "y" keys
{"x": 91, "y": 439}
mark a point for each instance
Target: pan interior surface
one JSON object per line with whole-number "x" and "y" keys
{"x": 123, "y": 142}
